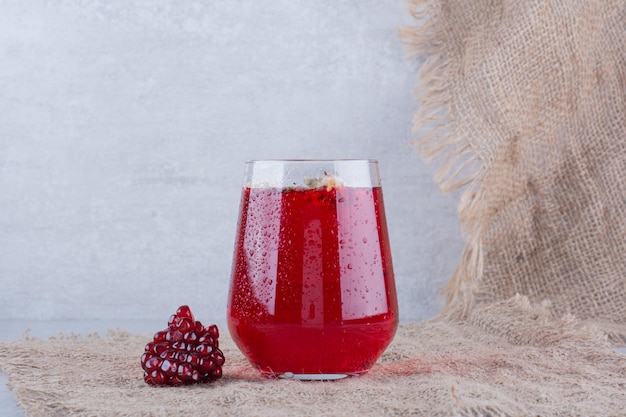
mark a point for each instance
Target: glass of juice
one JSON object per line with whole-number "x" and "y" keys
{"x": 312, "y": 292}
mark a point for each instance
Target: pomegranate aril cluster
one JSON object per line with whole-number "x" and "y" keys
{"x": 184, "y": 353}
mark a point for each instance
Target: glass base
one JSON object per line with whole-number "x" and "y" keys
{"x": 312, "y": 377}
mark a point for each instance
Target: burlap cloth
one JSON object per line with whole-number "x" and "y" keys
{"x": 533, "y": 365}
{"x": 523, "y": 105}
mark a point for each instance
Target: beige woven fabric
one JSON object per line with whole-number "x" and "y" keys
{"x": 505, "y": 359}
{"x": 524, "y": 104}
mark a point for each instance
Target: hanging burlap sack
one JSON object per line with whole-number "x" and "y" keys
{"x": 524, "y": 104}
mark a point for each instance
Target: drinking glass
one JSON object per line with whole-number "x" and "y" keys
{"x": 312, "y": 292}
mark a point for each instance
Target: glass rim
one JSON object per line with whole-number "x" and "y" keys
{"x": 302, "y": 160}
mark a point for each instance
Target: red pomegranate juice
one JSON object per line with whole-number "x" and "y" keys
{"x": 312, "y": 288}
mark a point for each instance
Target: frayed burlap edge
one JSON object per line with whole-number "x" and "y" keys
{"x": 441, "y": 140}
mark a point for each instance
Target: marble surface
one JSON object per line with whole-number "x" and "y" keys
{"x": 126, "y": 124}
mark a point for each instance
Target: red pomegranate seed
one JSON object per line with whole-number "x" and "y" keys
{"x": 152, "y": 364}
{"x": 185, "y": 311}
{"x": 160, "y": 336}
{"x": 206, "y": 365}
{"x": 193, "y": 358}
{"x": 218, "y": 358}
{"x": 204, "y": 349}
{"x": 146, "y": 355}
{"x": 174, "y": 336}
{"x": 186, "y": 325}
{"x": 214, "y": 332}
{"x": 180, "y": 345}
{"x": 184, "y": 371}
{"x": 191, "y": 336}
{"x": 168, "y": 354}
{"x": 156, "y": 377}
{"x": 195, "y": 376}
{"x": 199, "y": 328}
{"x": 159, "y": 348}
{"x": 216, "y": 373}
{"x": 169, "y": 367}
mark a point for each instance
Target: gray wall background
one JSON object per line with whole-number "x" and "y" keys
{"x": 125, "y": 124}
